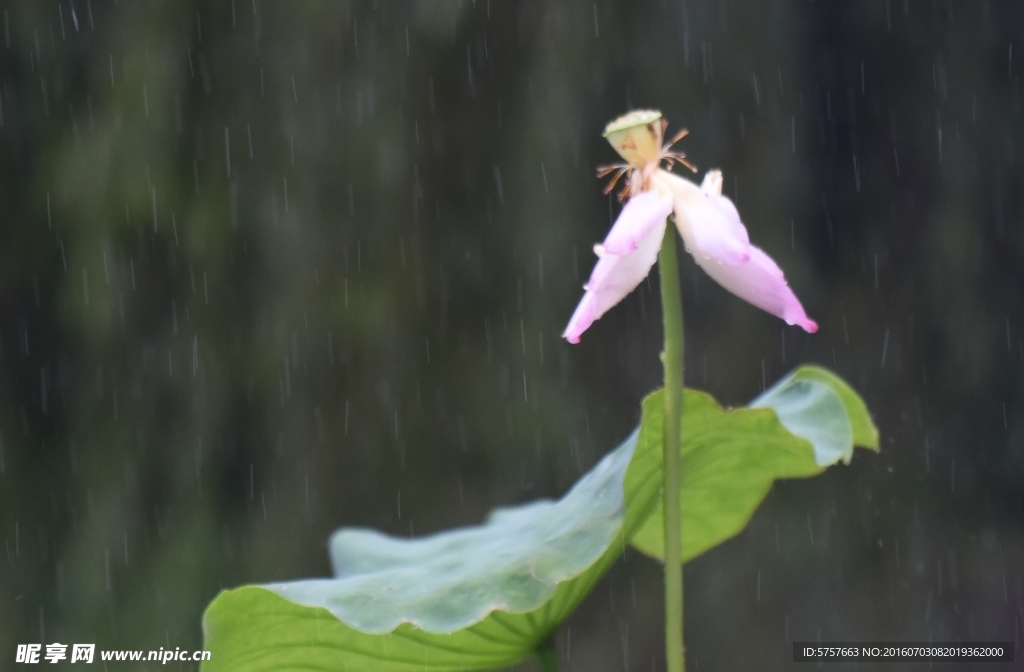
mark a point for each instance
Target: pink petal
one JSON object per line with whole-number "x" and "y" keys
{"x": 640, "y": 215}
{"x": 760, "y": 282}
{"x": 707, "y": 221}
{"x": 614, "y": 276}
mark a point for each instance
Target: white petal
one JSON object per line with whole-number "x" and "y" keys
{"x": 760, "y": 282}
{"x": 707, "y": 221}
{"x": 639, "y": 216}
{"x": 614, "y": 276}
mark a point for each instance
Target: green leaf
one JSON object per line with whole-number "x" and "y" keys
{"x": 865, "y": 434}
{"x": 730, "y": 459}
{"x": 487, "y": 596}
{"x": 470, "y": 599}
{"x": 811, "y": 410}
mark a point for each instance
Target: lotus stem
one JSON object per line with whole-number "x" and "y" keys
{"x": 548, "y": 655}
{"x": 672, "y": 359}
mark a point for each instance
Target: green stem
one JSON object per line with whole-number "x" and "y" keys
{"x": 672, "y": 358}
{"x": 547, "y": 655}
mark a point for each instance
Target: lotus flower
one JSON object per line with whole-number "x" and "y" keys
{"x": 707, "y": 221}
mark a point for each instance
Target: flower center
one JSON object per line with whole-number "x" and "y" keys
{"x": 637, "y": 137}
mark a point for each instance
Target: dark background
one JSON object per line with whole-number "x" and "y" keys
{"x": 268, "y": 269}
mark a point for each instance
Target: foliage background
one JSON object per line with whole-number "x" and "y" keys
{"x": 268, "y": 269}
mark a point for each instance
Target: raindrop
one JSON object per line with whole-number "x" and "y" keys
{"x": 152, "y": 194}
{"x": 497, "y": 181}
{"x": 44, "y": 399}
{"x": 227, "y": 149}
{"x": 927, "y": 456}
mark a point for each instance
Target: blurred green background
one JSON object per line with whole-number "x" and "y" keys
{"x": 269, "y": 269}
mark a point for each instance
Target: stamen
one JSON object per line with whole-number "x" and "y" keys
{"x": 678, "y": 157}
{"x": 618, "y": 175}
{"x": 611, "y": 168}
{"x": 639, "y": 180}
{"x": 679, "y": 136}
